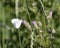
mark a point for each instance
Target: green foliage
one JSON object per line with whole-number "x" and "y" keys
{"x": 10, "y": 37}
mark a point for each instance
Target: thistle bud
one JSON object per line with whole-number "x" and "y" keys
{"x": 39, "y": 23}
{"x": 34, "y": 4}
{"x": 27, "y": 25}
{"x": 41, "y": 31}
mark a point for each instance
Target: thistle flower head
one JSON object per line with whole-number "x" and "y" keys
{"x": 50, "y": 15}
{"x": 34, "y": 4}
{"x": 35, "y": 25}
{"x": 33, "y": 22}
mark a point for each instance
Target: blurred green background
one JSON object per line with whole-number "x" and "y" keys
{"x": 10, "y": 37}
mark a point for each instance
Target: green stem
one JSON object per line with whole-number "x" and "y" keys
{"x": 3, "y": 20}
{"x": 16, "y": 8}
{"x": 44, "y": 13}
{"x": 17, "y": 12}
{"x": 32, "y": 33}
{"x": 27, "y": 10}
{"x": 19, "y": 38}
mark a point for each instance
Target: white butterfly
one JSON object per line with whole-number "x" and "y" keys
{"x": 53, "y": 30}
{"x": 16, "y": 22}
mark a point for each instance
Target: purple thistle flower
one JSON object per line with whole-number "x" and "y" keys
{"x": 34, "y": 22}
{"x": 50, "y": 15}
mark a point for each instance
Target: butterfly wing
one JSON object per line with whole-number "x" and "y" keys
{"x": 16, "y": 22}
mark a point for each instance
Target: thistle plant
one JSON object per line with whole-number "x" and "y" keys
{"x": 29, "y": 24}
